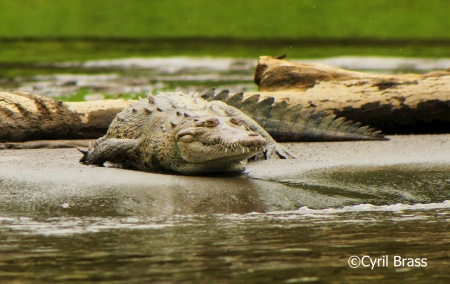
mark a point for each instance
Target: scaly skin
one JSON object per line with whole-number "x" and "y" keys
{"x": 193, "y": 134}
{"x": 287, "y": 122}
{"x": 185, "y": 134}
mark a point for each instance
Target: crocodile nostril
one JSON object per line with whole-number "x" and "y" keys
{"x": 253, "y": 134}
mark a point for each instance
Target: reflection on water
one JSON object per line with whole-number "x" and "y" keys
{"x": 297, "y": 246}
{"x": 379, "y": 185}
{"x": 391, "y": 212}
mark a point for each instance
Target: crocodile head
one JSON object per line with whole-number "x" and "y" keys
{"x": 214, "y": 143}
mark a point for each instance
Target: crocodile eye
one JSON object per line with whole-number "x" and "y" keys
{"x": 236, "y": 121}
{"x": 210, "y": 123}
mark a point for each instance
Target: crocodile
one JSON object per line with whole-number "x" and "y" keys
{"x": 198, "y": 134}
{"x": 294, "y": 122}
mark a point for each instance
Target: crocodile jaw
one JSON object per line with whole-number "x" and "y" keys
{"x": 223, "y": 153}
{"x": 224, "y": 146}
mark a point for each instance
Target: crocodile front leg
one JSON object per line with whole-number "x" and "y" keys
{"x": 111, "y": 150}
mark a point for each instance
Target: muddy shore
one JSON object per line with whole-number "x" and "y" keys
{"x": 51, "y": 181}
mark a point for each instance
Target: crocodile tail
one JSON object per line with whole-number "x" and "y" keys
{"x": 309, "y": 125}
{"x": 293, "y": 122}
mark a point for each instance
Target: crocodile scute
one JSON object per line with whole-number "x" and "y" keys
{"x": 198, "y": 134}
{"x": 182, "y": 133}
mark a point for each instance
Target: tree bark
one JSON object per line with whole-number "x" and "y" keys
{"x": 26, "y": 116}
{"x": 406, "y": 103}
{"x": 411, "y": 103}
{"x": 48, "y": 144}
{"x": 275, "y": 74}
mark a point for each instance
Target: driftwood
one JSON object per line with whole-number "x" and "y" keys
{"x": 393, "y": 103}
{"x": 24, "y": 116}
{"x": 48, "y": 144}
{"x": 275, "y": 74}
{"x": 406, "y": 103}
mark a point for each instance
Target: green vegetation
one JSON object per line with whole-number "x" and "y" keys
{"x": 83, "y": 92}
{"x": 54, "y": 30}
{"x": 383, "y": 19}
{"x": 23, "y": 51}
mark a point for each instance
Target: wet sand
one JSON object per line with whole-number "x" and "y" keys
{"x": 31, "y": 180}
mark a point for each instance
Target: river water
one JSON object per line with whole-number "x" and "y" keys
{"x": 391, "y": 223}
{"x": 353, "y": 225}
{"x": 138, "y": 76}
{"x": 407, "y": 242}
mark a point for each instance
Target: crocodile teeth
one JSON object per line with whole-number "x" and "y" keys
{"x": 229, "y": 148}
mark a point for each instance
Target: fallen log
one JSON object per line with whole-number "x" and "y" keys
{"x": 25, "y": 116}
{"x": 48, "y": 144}
{"x": 276, "y": 74}
{"x": 405, "y": 103}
